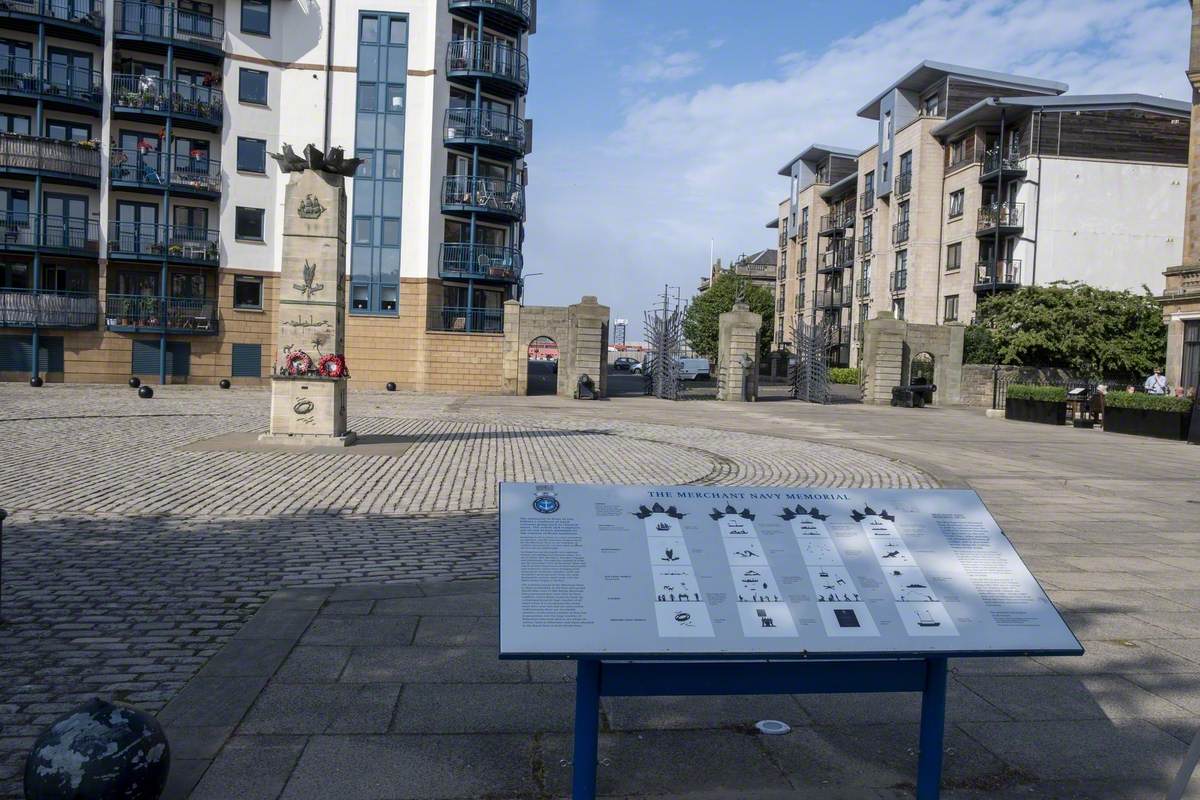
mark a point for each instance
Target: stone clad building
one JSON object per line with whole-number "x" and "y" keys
{"x": 1181, "y": 297}
{"x": 141, "y": 215}
{"x": 978, "y": 182}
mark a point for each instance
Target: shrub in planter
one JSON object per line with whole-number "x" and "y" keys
{"x": 1147, "y": 415}
{"x": 843, "y": 375}
{"x": 1044, "y": 404}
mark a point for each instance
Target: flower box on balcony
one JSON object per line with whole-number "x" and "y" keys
{"x": 1043, "y": 404}
{"x": 1148, "y": 415}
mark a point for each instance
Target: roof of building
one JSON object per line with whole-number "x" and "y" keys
{"x": 927, "y": 72}
{"x": 763, "y": 258}
{"x": 834, "y": 190}
{"x": 774, "y": 223}
{"x": 817, "y": 151}
{"x": 990, "y": 108}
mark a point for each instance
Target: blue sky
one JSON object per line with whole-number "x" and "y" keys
{"x": 660, "y": 124}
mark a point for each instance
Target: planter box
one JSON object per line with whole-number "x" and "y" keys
{"x": 1143, "y": 422}
{"x": 1043, "y": 411}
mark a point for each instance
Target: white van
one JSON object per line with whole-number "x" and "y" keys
{"x": 694, "y": 369}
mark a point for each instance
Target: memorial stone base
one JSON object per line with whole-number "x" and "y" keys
{"x": 308, "y": 412}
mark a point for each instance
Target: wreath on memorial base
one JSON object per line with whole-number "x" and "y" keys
{"x": 297, "y": 362}
{"x": 332, "y": 366}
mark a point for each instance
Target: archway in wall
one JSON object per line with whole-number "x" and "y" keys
{"x": 542, "y": 366}
{"x": 920, "y": 369}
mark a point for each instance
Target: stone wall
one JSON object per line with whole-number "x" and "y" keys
{"x": 888, "y": 350}
{"x": 977, "y": 381}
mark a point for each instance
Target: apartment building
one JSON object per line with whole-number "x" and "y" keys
{"x": 140, "y": 211}
{"x": 759, "y": 269}
{"x": 980, "y": 182}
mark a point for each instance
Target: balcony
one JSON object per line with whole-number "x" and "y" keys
{"x": 140, "y": 170}
{"x": 485, "y": 196}
{"x": 480, "y": 262}
{"x": 460, "y": 319}
{"x": 507, "y": 15}
{"x": 144, "y": 241}
{"x": 997, "y": 164}
{"x": 898, "y": 280}
{"x": 832, "y": 225}
{"x": 834, "y": 298}
{"x": 55, "y": 84}
{"x": 141, "y": 96}
{"x": 863, "y": 287}
{"x": 500, "y": 67}
{"x": 147, "y": 26}
{"x": 53, "y": 159}
{"x": 900, "y": 232}
{"x": 495, "y": 132}
{"x": 136, "y": 313}
{"x": 866, "y": 201}
{"x": 77, "y": 18}
{"x": 903, "y": 183}
{"x": 26, "y": 308}
{"x": 992, "y": 276}
{"x": 68, "y": 236}
{"x": 1009, "y": 218}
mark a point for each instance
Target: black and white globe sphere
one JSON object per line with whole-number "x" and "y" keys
{"x": 36, "y": 381}
{"x": 224, "y": 384}
{"x": 99, "y": 751}
{"x": 145, "y": 392}
{"x": 135, "y": 382}
{"x": 391, "y": 387}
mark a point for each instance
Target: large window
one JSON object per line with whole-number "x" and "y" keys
{"x": 951, "y": 313}
{"x": 256, "y": 17}
{"x": 248, "y": 223}
{"x": 251, "y": 155}
{"x": 252, "y": 86}
{"x": 1189, "y": 376}
{"x": 956, "y": 203}
{"x": 953, "y": 256}
{"x": 247, "y": 291}
{"x": 380, "y": 105}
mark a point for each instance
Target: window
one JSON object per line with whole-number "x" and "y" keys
{"x": 804, "y": 223}
{"x": 14, "y": 123}
{"x": 898, "y": 308}
{"x": 247, "y": 291}
{"x": 256, "y": 17}
{"x": 887, "y": 130}
{"x": 930, "y": 106}
{"x": 68, "y": 131}
{"x": 1189, "y": 373}
{"x": 901, "y": 260}
{"x": 251, "y": 155}
{"x": 246, "y": 361}
{"x": 958, "y": 151}
{"x": 248, "y": 223}
{"x": 951, "y": 308}
{"x": 394, "y": 99}
{"x": 953, "y": 256}
{"x": 252, "y": 86}
{"x": 956, "y": 203}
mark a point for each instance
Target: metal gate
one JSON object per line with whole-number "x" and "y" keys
{"x": 664, "y": 335}
{"x": 810, "y": 371}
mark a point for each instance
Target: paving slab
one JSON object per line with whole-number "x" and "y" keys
{"x": 732, "y": 712}
{"x": 369, "y": 630}
{"x": 431, "y": 665}
{"x": 251, "y": 768}
{"x": 300, "y": 708}
{"x": 485, "y": 708}
{"x": 1057, "y": 697}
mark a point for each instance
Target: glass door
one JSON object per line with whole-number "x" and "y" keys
{"x": 69, "y": 72}
{"x": 66, "y": 217}
{"x": 138, "y": 158}
{"x": 16, "y": 66}
{"x": 137, "y": 228}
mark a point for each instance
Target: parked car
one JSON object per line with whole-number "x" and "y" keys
{"x": 624, "y": 363}
{"x": 694, "y": 369}
{"x": 636, "y": 368}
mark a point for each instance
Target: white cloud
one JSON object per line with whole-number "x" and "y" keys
{"x": 634, "y": 208}
{"x": 661, "y": 66}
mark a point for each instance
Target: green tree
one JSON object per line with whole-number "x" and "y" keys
{"x": 1090, "y": 331}
{"x": 701, "y": 326}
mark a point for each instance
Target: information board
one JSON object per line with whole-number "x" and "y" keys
{"x": 669, "y": 571}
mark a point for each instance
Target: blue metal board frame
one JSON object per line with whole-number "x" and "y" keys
{"x": 595, "y": 679}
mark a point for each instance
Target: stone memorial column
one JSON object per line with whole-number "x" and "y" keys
{"x": 737, "y": 353}
{"x": 308, "y": 382}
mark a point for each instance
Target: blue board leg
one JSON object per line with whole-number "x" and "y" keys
{"x": 933, "y": 726}
{"x": 587, "y": 729}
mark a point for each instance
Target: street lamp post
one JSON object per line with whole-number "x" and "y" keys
{"x": 522, "y": 283}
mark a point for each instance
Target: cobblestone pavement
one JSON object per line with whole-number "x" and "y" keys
{"x": 129, "y": 562}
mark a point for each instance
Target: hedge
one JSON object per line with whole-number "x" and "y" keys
{"x": 1027, "y": 391}
{"x": 1149, "y": 402}
{"x": 843, "y": 374}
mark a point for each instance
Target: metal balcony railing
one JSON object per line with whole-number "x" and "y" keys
{"x": 470, "y": 126}
{"x": 864, "y": 245}
{"x": 152, "y": 169}
{"x": 480, "y": 261}
{"x": 1006, "y": 272}
{"x": 23, "y": 231}
{"x": 521, "y": 10}
{"x": 866, "y": 201}
{"x": 27, "y": 308}
{"x": 900, "y": 232}
{"x": 495, "y": 60}
{"x": 898, "y": 280}
{"x": 145, "y": 240}
{"x": 863, "y": 286}
{"x": 1004, "y": 215}
{"x": 49, "y": 156}
{"x": 994, "y": 159}
{"x": 834, "y": 298}
{"x": 903, "y": 183}
{"x": 134, "y": 313}
{"x": 136, "y": 18}
{"x": 483, "y": 195}
{"x": 168, "y": 97}
{"x": 50, "y": 80}
{"x": 832, "y": 224}
{"x": 89, "y": 13}
{"x": 465, "y": 320}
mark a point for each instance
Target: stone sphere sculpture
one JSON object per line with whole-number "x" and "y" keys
{"x": 225, "y": 384}
{"x": 36, "y": 381}
{"x": 99, "y": 751}
{"x": 135, "y": 382}
{"x": 391, "y": 387}
{"x": 145, "y": 393}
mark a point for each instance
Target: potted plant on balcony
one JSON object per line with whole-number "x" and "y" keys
{"x": 1029, "y": 403}
{"x": 1143, "y": 414}
{"x": 211, "y": 252}
{"x": 175, "y": 249}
